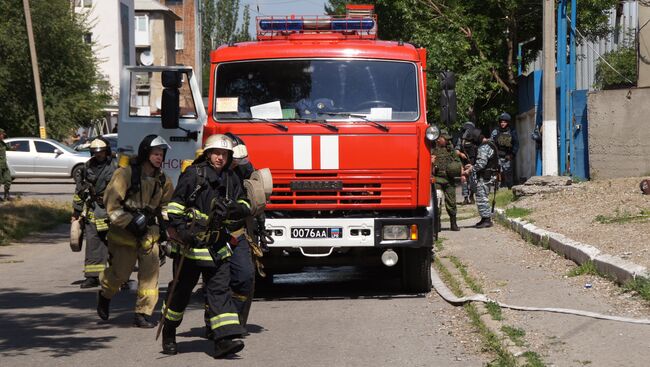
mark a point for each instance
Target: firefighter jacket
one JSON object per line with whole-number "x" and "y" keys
{"x": 89, "y": 191}
{"x": 190, "y": 211}
{"x": 123, "y": 199}
{"x": 487, "y": 161}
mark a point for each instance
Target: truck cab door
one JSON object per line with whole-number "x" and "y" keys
{"x": 142, "y": 95}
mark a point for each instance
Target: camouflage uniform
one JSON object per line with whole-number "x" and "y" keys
{"x": 5, "y": 174}
{"x": 445, "y": 156}
{"x": 485, "y": 169}
{"x": 507, "y": 143}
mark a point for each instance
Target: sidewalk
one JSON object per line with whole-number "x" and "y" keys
{"x": 513, "y": 271}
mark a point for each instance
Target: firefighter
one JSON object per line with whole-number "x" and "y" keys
{"x": 135, "y": 198}
{"x": 207, "y": 195}
{"x": 507, "y": 142}
{"x": 446, "y": 167}
{"x": 5, "y": 174}
{"x": 89, "y": 197}
{"x": 485, "y": 170}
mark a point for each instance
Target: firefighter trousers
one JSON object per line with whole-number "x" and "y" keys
{"x": 222, "y": 313}
{"x": 122, "y": 260}
{"x": 96, "y": 250}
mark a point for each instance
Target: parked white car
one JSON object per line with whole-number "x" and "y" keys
{"x": 35, "y": 157}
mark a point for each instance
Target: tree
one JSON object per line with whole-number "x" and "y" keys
{"x": 621, "y": 74}
{"x": 219, "y": 20}
{"x": 476, "y": 39}
{"x": 73, "y": 91}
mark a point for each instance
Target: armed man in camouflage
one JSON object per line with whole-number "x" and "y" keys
{"x": 507, "y": 141}
{"x": 5, "y": 174}
{"x": 485, "y": 170}
{"x": 446, "y": 166}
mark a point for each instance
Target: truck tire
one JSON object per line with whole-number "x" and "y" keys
{"x": 416, "y": 269}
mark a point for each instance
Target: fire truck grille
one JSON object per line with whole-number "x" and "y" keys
{"x": 346, "y": 194}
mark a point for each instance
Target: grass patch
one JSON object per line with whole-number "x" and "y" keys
{"x": 622, "y": 218}
{"x": 516, "y": 212}
{"x": 504, "y": 197}
{"x": 21, "y": 217}
{"x": 587, "y": 268}
{"x": 494, "y": 310}
{"x": 463, "y": 272}
{"x": 533, "y": 359}
{"x": 515, "y": 334}
{"x": 640, "y": 285}
{"x": 439, "y": 244}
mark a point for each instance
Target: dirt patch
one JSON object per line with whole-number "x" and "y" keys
{"x": 611, "y": 215}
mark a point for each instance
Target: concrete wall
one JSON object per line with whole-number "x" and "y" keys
{"x": 619, "y": 138}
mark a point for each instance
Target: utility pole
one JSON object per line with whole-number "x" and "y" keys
{"x": 37, "y": 78}
{"x": 549, "y": 124}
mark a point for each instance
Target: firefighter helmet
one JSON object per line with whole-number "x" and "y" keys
{"x": 240, "y": 153}
{"x": 218, "y": 141}
{"x": 100, "y": 144}
{"x": 148, "y": 143}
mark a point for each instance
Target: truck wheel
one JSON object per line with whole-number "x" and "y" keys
{"x": 416, "y": 270}
{"x": 76, "y": 172}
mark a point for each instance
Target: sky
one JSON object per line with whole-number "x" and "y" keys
{"x": 280, "y": 7}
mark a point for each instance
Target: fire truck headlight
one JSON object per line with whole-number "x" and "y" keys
{"x": 395, "y": 232}
{"x": 432, "y": 133}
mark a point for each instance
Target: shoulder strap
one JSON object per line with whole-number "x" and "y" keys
{"x": 135, "y": 180}
{"x": 199, "y": 185}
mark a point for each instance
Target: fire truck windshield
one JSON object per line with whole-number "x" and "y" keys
{"x": 344, "y": 89}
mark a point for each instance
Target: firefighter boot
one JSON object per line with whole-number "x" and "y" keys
{"x": 90, "y": 282}
{"x": 454, "y": 225}
{"x": 169, "y": 340}
{"x": 223, "y": 347}
{"x": 102, "y": 306}
{"x": 143, "y": 321}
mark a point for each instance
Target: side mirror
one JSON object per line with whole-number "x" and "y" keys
{"x": 448, "y": 98}
{"x": 170, "y": 102}
{"x": 58, "y": 151}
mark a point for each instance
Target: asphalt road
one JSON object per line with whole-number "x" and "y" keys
{"x": 321, "y": 318}
{"x": 43, "y": 188}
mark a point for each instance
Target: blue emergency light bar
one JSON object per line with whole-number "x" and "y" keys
{"x": 270, "y": 27}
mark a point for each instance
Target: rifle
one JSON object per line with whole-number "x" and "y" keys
{"x": 496, "y": 187}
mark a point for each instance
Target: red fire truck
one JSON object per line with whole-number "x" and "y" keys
{"x": 340, "y": 119}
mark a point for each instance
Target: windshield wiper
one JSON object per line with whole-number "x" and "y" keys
{"x": 363, "y": 117}
{"x": 320, "y": 121}
{"x": 274, "y": 122}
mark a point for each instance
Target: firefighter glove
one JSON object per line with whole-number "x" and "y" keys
{"x": 238, "y": 211}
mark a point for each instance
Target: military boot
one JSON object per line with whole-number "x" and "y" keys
{"x": 487, "y": 223}
{"x": 7, "y": 197}
{"x": 143, "y": 321}
{"x": 223, "y": 347}
{"x": 169, "y": 340}
{"x": 454, "y": 225}
{"x": 102, "y": 306}
{"x": 480, "y": 222}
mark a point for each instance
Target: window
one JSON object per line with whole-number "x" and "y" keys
{"x": 20, "y": 145}
{"x": 179, "y": 41}
{"x": 142, "y": 30}
{"x": 43, "y": 147}
{"x": 146, "y": 96}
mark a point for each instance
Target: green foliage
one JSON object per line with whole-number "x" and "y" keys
{"x": 476, "y": 39}
{"x": 219, "y": 27}
{"x": 504, "y": 197}
{"x": 23, "y": 217}
{"x": 622, "y": 218}
{"x": 587, "y": 268}
{"x": 515, "y": 334}
{"x": 494, "y": 310}
{"x": 533, "y": 359}
{"x": 624, "y": 61}
{"x": 516, "y": 212}
{"x": 640, "y": 285}
{"x": 73, "y": 91}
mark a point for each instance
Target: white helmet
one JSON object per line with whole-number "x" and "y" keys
{"x": 218, "y": 141}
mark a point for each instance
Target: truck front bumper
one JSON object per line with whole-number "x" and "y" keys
{"x": 350, "y": 232}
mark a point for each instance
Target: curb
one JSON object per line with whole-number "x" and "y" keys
{"x": 619, "y": 269}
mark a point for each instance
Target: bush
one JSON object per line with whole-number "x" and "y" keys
{"x": 624, "y": 61}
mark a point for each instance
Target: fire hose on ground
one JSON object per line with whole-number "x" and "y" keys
{"x": 448, "y": 296}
